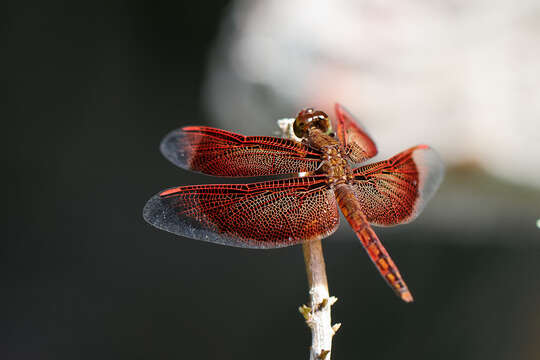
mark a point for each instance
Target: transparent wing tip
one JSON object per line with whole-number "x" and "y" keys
{"x": 160, "y": 215}
{"x": 430, "y": 174}
{"x": 176, "y": 149}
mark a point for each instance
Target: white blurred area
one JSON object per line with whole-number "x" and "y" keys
{"x": 462, "y": 76}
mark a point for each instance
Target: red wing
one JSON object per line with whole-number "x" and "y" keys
{"x": 396, "y": 190}
{"x": 266, "y": 214}
{"x": 352, "y": 135}
{"x": 223, "y": 153}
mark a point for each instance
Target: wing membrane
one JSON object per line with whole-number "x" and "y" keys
{"x": 352, "y": 135}
{"x": 223, "y": 153}
{"x": 396, "y": 190}
{"x": 266, "y": 214}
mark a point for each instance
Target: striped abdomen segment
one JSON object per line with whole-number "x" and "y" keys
{"x": 351, "y": 209}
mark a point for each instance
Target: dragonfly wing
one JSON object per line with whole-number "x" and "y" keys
{"x": 352, "y": 135}
{"x": 396, "y": 190}
{"x": 266, "y": 214}
{"x": 222, "y": 153}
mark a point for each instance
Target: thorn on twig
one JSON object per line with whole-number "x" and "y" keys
{"x": 323, "y": 354}
{"x": 323, "y": 303}
{"x": 336, "y": 327}
{"x": 305, "y": 311}
{"x": 332, "y": 300}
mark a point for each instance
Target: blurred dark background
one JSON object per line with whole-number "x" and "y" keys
{"x": 90, "y": 89}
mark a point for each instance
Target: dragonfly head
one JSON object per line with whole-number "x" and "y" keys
{"x": 309, "y": 118}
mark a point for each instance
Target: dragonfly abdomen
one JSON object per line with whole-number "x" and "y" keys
{"x": 351, "y": 209}
{"x": 350, "y": 206}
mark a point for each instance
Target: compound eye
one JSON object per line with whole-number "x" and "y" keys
{"x": 302, "y": 122}
{"x": 300, "y": 128}
{"x": 321, "y": 121}
{"x": 309, "y": 118}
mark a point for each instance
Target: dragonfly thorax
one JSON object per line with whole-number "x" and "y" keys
{"x": 335, "y": 166}
{"x": 334, "y": 163}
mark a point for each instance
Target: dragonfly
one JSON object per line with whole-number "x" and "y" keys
{"x": 329, "y": 154}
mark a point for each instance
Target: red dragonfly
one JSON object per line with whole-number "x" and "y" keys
{"x": 284, "y": 212}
